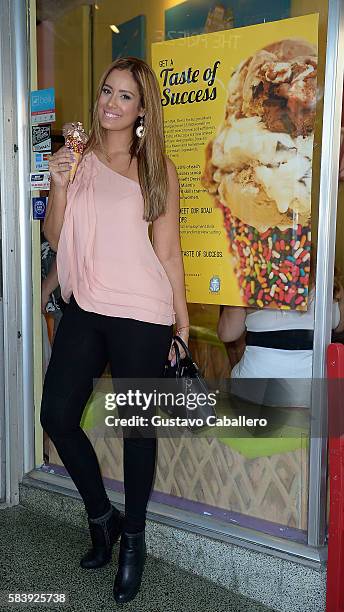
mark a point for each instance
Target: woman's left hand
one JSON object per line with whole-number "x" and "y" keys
{"x": 184, "y": 335}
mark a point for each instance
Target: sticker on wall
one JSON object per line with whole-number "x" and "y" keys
{"x": 40, "y": 180}
{"x": 42, "y": 161}
{"x": 41, "y": 138}
{"x": 39, "y": 206}
{"x": 43, "y": 105}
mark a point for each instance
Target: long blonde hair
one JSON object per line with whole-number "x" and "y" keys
{"x": 150, "y": 149}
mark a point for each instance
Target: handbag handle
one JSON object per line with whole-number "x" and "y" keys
{"x": 177, "y": 353}
{"x": 179, "y": 365}
{"x": 184, "y": 346}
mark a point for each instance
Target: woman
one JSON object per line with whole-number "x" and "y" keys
{"x": 124, "y": 296}
{"x": 279, "y": 346}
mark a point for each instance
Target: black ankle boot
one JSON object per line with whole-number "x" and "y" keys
{"x": 132, "y": 555}
{"x": 104, "y": 532}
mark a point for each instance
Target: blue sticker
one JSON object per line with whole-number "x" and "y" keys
{"x": 39, "y": 206}
{"x": 43, "y": 105}
{"x": 43, "y": 100}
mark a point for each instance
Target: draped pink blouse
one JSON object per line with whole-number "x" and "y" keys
{"x": 105, "y": 257}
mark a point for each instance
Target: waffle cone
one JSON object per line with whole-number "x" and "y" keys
{"x": 272, "y": 267}
{"x": 74, "y": 167}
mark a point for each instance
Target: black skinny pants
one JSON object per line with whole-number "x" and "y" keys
{"x": 85, "y": 342}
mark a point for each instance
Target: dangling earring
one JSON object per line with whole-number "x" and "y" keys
{"x": 140, "y": 130}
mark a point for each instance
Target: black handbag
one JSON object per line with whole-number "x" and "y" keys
{"x": 189, "y": 381}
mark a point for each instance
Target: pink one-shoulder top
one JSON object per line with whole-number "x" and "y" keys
{"x": 105, "y": 257}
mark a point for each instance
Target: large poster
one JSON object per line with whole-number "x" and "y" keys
{"x": 239, "y": 125}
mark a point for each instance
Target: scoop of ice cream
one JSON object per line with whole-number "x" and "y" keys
{"x": 259, "y": 163}
{"x": 278, "y": 166}
{"x": 247, "y": 141}
{"x": 278, "y": 83}
{"x": 243, "y": 193}
{"x": 75, "y": 136}
{"x": 288, "y": 184}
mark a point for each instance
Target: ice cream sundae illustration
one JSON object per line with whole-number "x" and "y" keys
{"x": 259, "y": 172}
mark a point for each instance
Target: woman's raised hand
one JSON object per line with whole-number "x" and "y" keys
{"x": 60, "y": 166}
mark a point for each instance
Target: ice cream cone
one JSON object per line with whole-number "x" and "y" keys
{"x": 75, "y": 140}
{"x": 258, "y": 171}
{"x": 77, "y": 157}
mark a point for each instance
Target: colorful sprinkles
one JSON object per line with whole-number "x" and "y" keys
{"x": 75, "y": 144}
{"x": 75, "y": 136}
{"x": 272, "y": 267}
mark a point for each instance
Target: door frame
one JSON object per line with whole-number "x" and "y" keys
{"x": 15, "y": 208}
{"x": 326, "y": 246}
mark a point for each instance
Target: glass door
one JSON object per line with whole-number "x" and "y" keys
{"x": 74, "y": 45}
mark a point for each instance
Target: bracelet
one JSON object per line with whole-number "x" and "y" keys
{"x": 180, "y": 328}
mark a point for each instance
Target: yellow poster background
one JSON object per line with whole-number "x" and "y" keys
{"x": 209, "y": 272}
